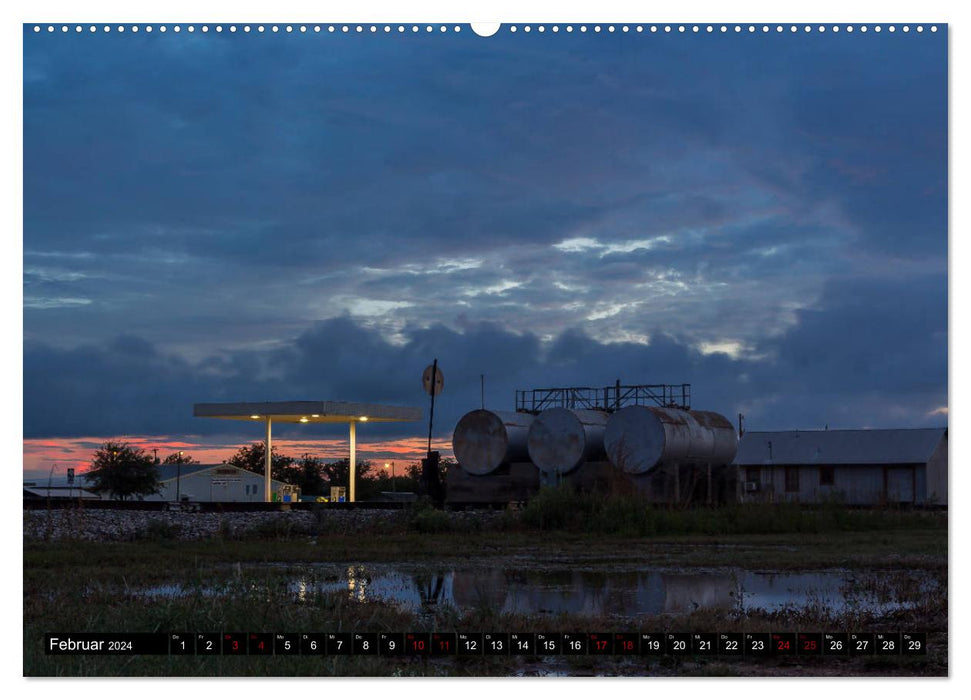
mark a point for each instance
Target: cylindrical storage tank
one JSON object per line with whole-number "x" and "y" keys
{"x": 561, "y": 439}
{"x": 639, "y": 438}
{"x": 723, "y": 433}
{"x": 485, "y": 440}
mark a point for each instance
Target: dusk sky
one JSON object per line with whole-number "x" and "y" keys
{"x": 252, "y": 217}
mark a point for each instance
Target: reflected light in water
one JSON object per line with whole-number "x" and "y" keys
{"x": 357, "y": 580}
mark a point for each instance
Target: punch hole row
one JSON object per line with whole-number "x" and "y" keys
{"x": 428, "y": 28}
{"x": 254, "y": 28}
{"x": 718, "y": 28}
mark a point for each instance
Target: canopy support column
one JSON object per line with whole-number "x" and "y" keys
{"x": 353, "y": 463}
{"x": 267, "y": 478}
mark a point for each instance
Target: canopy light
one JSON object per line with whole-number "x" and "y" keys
{"x": 314, "y": 411}
{"x": 304, "y": 419}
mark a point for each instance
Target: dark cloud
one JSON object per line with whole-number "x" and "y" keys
{"x": 274, "y": 217}
{"x": 874, "y": 351}
{"x": 826, "y": 370}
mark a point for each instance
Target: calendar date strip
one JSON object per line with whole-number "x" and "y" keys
{"x": 749, "y": 645}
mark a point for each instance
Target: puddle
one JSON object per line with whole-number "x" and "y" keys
{"x": 614, "y": 593}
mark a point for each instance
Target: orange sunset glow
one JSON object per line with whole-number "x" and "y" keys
{"x": 43, "y": 455}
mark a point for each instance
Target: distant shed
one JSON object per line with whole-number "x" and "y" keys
{"x": 42, "y": 490}
{"x": 858, "y": 467}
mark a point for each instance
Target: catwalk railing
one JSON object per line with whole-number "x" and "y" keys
{"x": 608, "y": 398}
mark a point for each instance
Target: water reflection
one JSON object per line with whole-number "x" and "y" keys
{"x": 431, "y": 589}
{"x": 592, "y": 593}
{"x": 684, "y": 593}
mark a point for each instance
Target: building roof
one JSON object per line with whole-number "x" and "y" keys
{"x": 307, "y": 412}
{"x": 166, "y": 472}
{"x": 898, "y": 446}
{"x": 169, "y": 472}
{"x": 58, "y": 492}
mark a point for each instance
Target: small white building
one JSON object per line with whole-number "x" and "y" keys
{"x": 856, "y": 467}
{"x": 216, "y": 483}
{"x": 192, "y": 482}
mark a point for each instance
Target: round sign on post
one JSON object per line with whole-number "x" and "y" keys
{"x": 426, "y": 381}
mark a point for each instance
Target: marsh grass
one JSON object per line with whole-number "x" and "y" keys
{"x": 613, "y": 511}
{"x": 426, "y": 519}
{"x": 627, "y": 514}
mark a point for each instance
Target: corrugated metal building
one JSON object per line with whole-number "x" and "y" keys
{"x": 857, "y": 467}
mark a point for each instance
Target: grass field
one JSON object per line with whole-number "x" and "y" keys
{"x": 93, "y": 586}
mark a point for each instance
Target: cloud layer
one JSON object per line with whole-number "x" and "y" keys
{"x": 242, "y": 217}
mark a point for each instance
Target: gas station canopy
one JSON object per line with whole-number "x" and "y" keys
{"x": 307, "y": 411}
{"x": 270, "y": 412}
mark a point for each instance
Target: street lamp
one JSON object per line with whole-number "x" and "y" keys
{"x": 178, "y": 479}
{"x": 394, "y": 487}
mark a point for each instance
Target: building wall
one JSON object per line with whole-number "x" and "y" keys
{"x": 922, "y": 486}
{"x": 210, "y": 486}
{"x": 936, "y": 486}
{"x": 853, "y": 485}
{"x": 901, "y": 484}
{"x": 219, "y": 484}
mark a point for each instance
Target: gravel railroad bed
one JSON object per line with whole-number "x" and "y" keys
{"x": 107, "y": 525}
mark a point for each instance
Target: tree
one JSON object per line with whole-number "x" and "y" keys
{"x": 337, "y": 473}
{"x": 253, "y": 458}
{"x": 179, "y": 458}
{"x": 444, "y": 464}
{"x": 413, "y": 470}
{"x": 366, "y": 483}
{"x": 123, "y": 471}
{"x": 310, "y": 476}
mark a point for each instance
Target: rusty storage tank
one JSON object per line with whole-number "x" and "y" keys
{"x": 485, "y": 440}
{"x": 725, "y": 438}
{"x": 561, "y": 439}
{"x": 639, "y": 438}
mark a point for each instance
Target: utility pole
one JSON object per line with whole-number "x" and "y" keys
{"x": 431, "y": 413}
{"x": 430, "y": 485}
